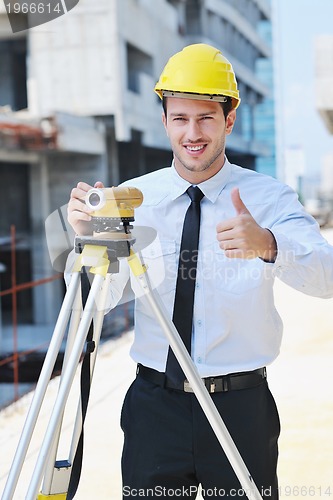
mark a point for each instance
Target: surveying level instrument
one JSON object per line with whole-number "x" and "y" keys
{"x": 111, "y": 240}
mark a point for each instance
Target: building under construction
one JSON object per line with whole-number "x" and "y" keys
{"x": 77, "y": 103}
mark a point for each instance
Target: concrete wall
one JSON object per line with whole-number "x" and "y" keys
{"x": 73, "y": 64}
{"x": 51, "y": 181}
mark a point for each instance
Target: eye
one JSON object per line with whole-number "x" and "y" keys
{"x": 207, "y": 118}
{"x": 179, "y": 119}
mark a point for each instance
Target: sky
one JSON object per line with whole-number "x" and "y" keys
{"x": 299, "y": 22}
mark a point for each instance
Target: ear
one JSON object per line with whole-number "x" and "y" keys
{"x": 230, "y": 121}
{"x": 164, "y": 121}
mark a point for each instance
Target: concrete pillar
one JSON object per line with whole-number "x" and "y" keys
{"x": 45, "y": 297}
{"x": 113, "y": 156}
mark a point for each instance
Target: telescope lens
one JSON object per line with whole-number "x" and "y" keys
{"x": 94, "y": 199}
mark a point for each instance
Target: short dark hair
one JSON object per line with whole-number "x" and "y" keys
{"x": 226, "y": 106}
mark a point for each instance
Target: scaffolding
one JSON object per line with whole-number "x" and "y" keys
{"x": 12, "y": 364}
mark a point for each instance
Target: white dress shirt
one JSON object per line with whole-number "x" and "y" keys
{"x": 236, "y": 326}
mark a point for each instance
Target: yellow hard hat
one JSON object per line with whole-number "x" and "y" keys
{"x": 200, "y": 70}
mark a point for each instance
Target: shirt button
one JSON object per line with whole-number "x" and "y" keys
{"x": 197, "y": 285}
{"x": 199, "y": 322}
{"x": 199, "y": 360}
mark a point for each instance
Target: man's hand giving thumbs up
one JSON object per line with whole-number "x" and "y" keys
{"x": 241, "y": 237}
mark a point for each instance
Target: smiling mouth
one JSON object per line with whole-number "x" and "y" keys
{"x": 195, "y": 148}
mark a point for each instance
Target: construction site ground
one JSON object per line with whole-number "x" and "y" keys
{"x": 300, "y": 379}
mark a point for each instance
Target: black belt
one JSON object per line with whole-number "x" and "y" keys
{"x": 224, "y": 383}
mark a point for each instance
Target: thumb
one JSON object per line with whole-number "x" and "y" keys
{"x": 238, "y": 202}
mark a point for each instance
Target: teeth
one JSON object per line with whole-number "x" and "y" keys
{"x": 195, "y": 148}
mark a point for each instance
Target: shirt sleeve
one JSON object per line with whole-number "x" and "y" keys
{"x": 304, "y": 259}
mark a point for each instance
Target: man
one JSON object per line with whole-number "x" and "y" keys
{"x": 252, "y": 228}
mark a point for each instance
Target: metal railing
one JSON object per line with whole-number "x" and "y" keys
{"x": 122, "y": 318}
{"x": 14, "y": 359}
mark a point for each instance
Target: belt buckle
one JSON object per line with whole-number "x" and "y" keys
{"x": 187, "y": 386}
{"x": 211, "y": 388}
{"x": 212, "y": 385}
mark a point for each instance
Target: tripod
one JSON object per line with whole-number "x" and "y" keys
{"x": 56, "y": 474}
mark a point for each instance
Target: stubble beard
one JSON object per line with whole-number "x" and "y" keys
{"x": 205, "y": 166}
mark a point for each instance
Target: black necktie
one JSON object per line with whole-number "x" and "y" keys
{"x": 187, "y": 270}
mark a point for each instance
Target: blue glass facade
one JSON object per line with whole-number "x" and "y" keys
{"x": 264, "y": 112}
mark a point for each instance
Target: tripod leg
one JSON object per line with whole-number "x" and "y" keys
{"x": 41, "y": 387}
{"x": 73, "y": 327}
{"x": 98, "y": 324}
{"x": 57, "y": 478}
{"x": 194, "y": 379}
{"x": 65, "y": 387}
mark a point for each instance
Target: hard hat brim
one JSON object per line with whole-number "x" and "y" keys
{"x": 198, "y": 97}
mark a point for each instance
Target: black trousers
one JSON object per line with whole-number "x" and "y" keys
{"x": 170, "y": 448}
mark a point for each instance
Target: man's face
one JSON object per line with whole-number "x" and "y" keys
{"x": 197, "y": 131}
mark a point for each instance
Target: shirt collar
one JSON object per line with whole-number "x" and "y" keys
{"x": 211, "y": 188}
